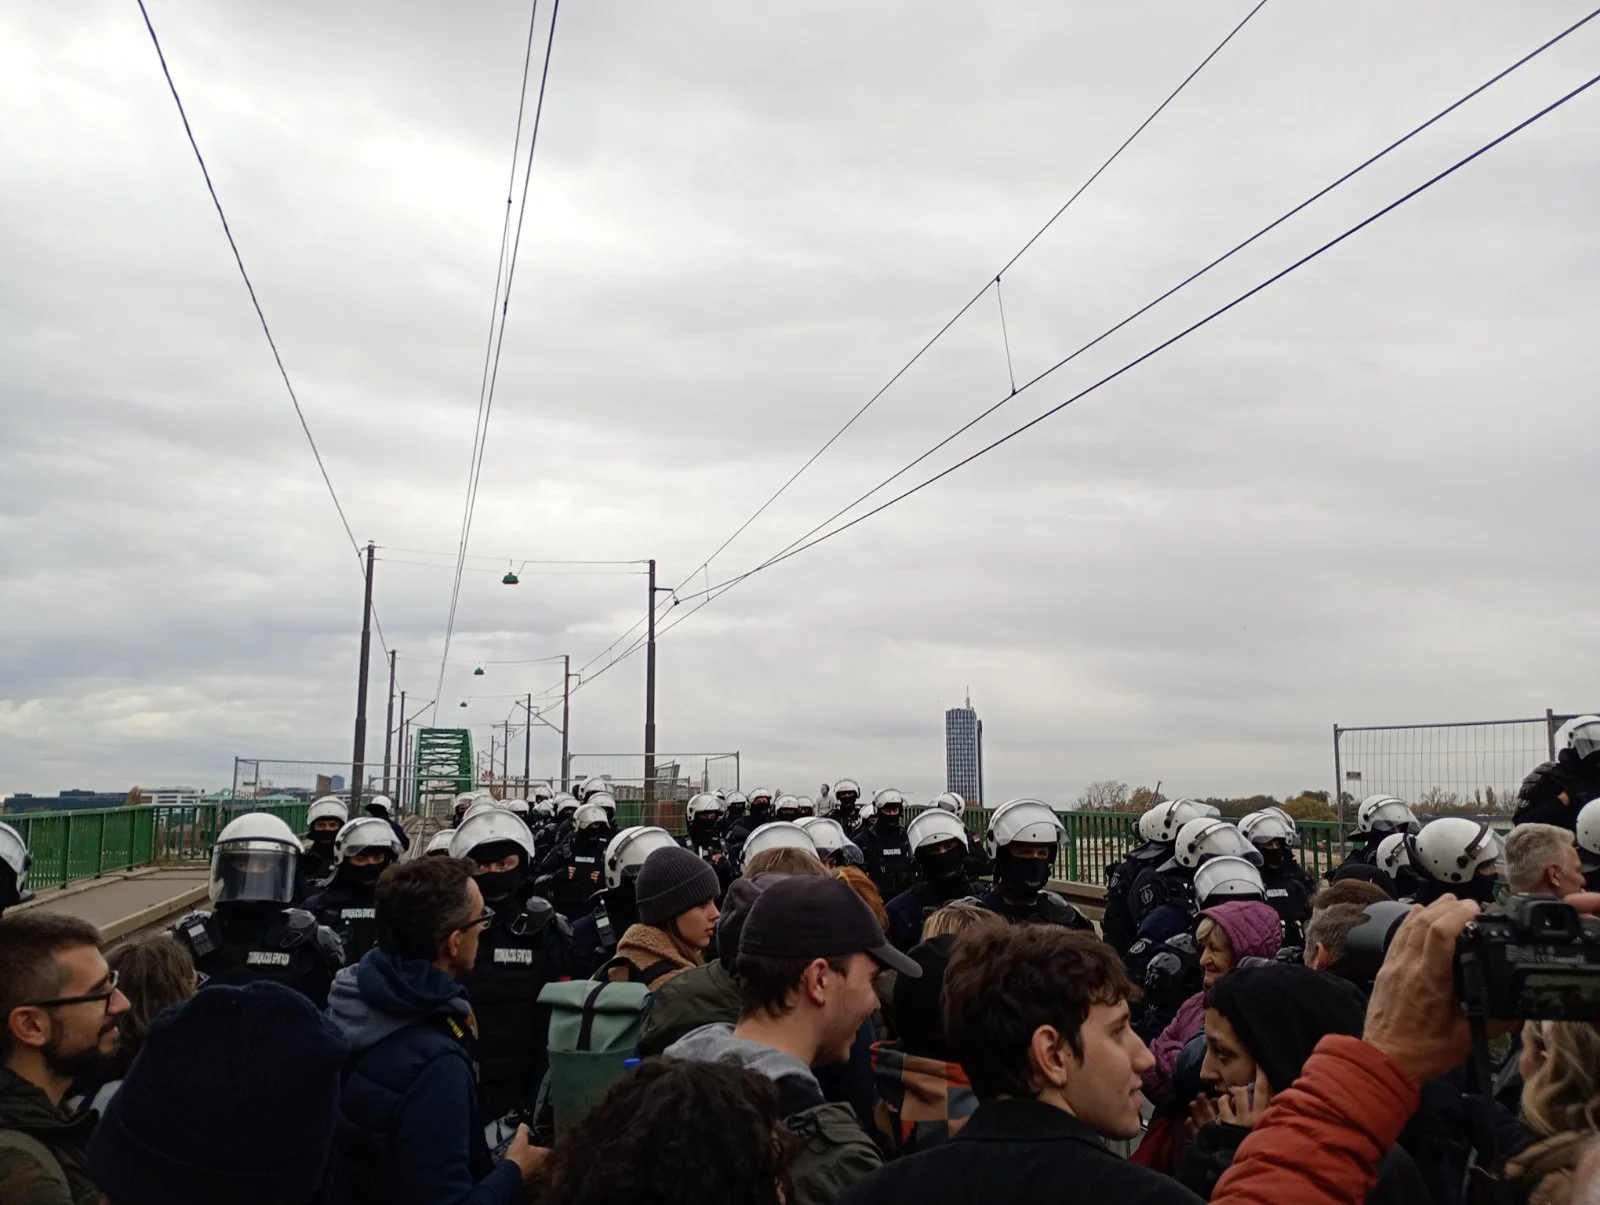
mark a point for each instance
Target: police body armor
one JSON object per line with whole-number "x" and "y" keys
{"x": 284, "y": 946}
{"x": 577, "y": 876}
{"x": 518, "y": 954}
{"x": 1118, "y": 924}
{"x": 1288, "y": 890}
{"x": 1046, "y": 908}
{"x": 1155, "y": 888}
{"x": 910, "y": 910}
{"x": 715, "y": 853}
{"x": 888, "y": 860}
{"x": 350, "y": 912}
{"x": 1555, "y": 791}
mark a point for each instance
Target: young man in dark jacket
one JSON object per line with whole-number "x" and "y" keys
{"x": 407, "y": 1131}
{"x": 1055, "y": 1071}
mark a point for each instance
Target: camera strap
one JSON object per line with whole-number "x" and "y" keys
{"x": 1478, "y": 1103}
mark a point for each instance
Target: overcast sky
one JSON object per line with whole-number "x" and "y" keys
{"x": 1365, "y": 496}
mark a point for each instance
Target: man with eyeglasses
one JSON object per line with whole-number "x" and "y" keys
{"x": 407, "y": 1133}
{"x": 62, "y": 1014}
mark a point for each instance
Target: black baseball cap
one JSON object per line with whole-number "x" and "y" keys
{"x": 806, "y": 916}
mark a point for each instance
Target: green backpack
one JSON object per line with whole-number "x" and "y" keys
{"x": 594, "y": 1031}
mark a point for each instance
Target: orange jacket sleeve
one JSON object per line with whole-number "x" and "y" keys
{"x": 1320, "y": 1142}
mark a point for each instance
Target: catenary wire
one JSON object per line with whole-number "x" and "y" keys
{"x": 487, "y": 408}
{"x": 255, "y": 301}
{"x": 720, "y": 588}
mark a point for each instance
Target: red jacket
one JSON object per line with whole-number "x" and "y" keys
{"x": 1320, "y": 1141}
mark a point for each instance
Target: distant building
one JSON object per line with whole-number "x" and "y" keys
{"x": 67, "y": 801}
{"x": 171, "y": 797}
{"x": 963, "y": 753}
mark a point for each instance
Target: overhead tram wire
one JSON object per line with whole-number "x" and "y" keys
{"x": 720, "y": 588}
{"x": 255, "y": 301}
{"x": 1196, "y": 275}
{"x": 486, "y": 396}
{"x": 990, "y": 283}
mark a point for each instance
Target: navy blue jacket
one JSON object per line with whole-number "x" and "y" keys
{"x": 407, "y": 1132}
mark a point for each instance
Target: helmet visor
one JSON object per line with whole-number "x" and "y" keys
{"x": 1585, "y": 739}
{"x": 253, "y": 871}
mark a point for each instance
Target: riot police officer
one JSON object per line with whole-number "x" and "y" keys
{"x": 704, "y": 813}
{"x": 1376, "y": 818}
{"x": 324, "y": 819}
{"x": 595, "y": 934}
{"x": 1164, "y": 898}
{"x": 525, "y": 945}
{"x": 364, "y": 849}
{"x": 938, "y": 843}
{"x": 776, "y": 834}
{"x": 1588, "y": 834}
{"x": 382, "y": 807}
{"x": 14, "y": 862}
{"x": 760, "y": 812}
{"x": 458, "y": 809}
{"x": 885, "y": 852}
{"x": 787, "y": 807}
{"x": 833, "y": 847}
{"x": 733, "y": 811}
{"x": 1555, "y": 791}
{"x": 846, "y": 798}
{"x": 1158, "y": 829}
{"x": 571, "y": 873}
{"x": 1456, "y": 855}
{"x": 439, "y": 843}
{"x": 252, "y": 932}
{"x": 977, "y": 865}
{"x": 1272, "y": 831}
{"x": 1024, "y": 838}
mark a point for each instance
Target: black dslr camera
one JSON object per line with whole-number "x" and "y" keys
{"x": 1536, "y": 958}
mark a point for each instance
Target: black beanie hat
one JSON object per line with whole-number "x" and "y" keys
{"x": 671, "y": 881}
{"x": 232, "y": 1098}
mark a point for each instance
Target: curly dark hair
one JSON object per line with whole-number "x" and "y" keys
{"x": 672, "y": 1132}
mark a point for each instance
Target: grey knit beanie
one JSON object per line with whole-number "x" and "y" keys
{"x": 672, "y": 881}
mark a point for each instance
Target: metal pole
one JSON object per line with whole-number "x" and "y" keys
{"x": 738, "y": 771}
{"x": 1338, "y": 788}
{"x": 566, "y": 720}
{"x": 400, "y": 768}
{"x": 1550, "y": 727}
{"x": 359, "y": 757}
{"x": 527, "y": 749}
{"x": 505, "y": 758}
{"x": 388, "y": 723}
{"x": 650, "y": 695}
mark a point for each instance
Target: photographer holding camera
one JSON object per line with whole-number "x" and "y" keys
{"x": 1321, "y": 1141}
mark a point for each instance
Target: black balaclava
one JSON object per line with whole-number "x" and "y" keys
{"x": 322, "y": 843}
{"x": 761, "y": 812}
{"x": 362, "y": 877}
{"x": 1022, "y": 874}
{"x": 1281, "y": 1012}
{"x": 592, "y": 839}
{"x": 621, "y": 904}
{"x": 703, "y": 827}
{"x": 888, "y": 823}
{"x": 1276, "y": 856}
{"x": 736, "y": 811}
{"x": 499, "y": 884}
{"x": 943, "y": 870}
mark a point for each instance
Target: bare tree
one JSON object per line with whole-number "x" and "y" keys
{"x": 1436, "y": 801}
{"x": 1105, "y": 795}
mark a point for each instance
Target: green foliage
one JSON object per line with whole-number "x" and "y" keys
{"x": 1309, "y": 807}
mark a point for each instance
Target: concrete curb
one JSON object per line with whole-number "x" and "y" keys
{"x": 146, "y": 917}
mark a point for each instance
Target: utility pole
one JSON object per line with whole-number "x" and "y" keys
{"x": 491, "y": 757}
{"x": 650, "y": 697}
{"x": 400, "y": 769}
{"x": 359, "y": 757}
{"x": 388, "y": 724}
{"x": 566, "y": 720}
{"x": 527, "y": 749}
{"x": 505, "y": 758}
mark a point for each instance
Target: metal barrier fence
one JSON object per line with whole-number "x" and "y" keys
{"x": 279, "y": 781}
{"x": 1443, "y": 768}
{"x": 678, "y": 775}
{"x": 82, "y": 844}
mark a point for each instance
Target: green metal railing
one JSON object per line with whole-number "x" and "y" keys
{"x": 67, "y": 846}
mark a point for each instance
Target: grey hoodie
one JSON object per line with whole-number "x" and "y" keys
{"x": 797, "y": 1086}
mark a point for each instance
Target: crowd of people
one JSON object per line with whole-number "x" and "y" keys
{"x": 856, "y": 1006}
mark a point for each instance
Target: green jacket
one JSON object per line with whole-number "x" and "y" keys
{"x": 687, "y": 1001}
{"x": 43, "y": 1148}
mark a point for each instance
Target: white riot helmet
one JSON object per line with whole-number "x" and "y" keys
{"x": 590, "y": 813}
{"x": 932, "y": 827}
{"x": 1204, "y": 838}
{"x": 366, "y": 835}
{"x": 327, "y": 808}
{"x": 518, "y": 808}
{"x": 847, "y": 786}
{"x": 541, "y": 793}
{"x": 787, "y": 807}
{"x": 543, "y": 809}
{"x": 1209, "y": 810}
{"x": 492, "y": 828}
{"x": 886, "y": 797}
{"x": 463, "y": 801}
{"x": 1161, "y": 823}
{"x": 15, "y": 856}
{"x": 776, "y": 834}
{"x": 484, "y": 793}
{"x": 602, "y": 799}
{"x": 736, "y": 799}
{"x": 759, "y": 794}
{"x": 1383, "y": 814}
{"x": 564, "y": 803}
{"x": 950, "y": 802}
{"x": 254, "y": 861}
{"x": 808, "y": 806}
{"x": 1453, "y": 850}
{"x": 1588, "y": 834}
{"x": 826, "y": 833}
{"x": 1583, "y": 738}
{"x": 626, "y": 852}
{"x": 592, "y": 786}
{"x": 1269, "y": 825}
{"x": 721, "y": 794}
{"x": 703, "y": 803}
{"x": 382, "y": 803}
{"x": 439, "y": 843}
{"x": 1030, "y": 821}
{"x": 1227, "y": 878}
{"x": 1393, "y": 857}
{"x": 478, "y": 807}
